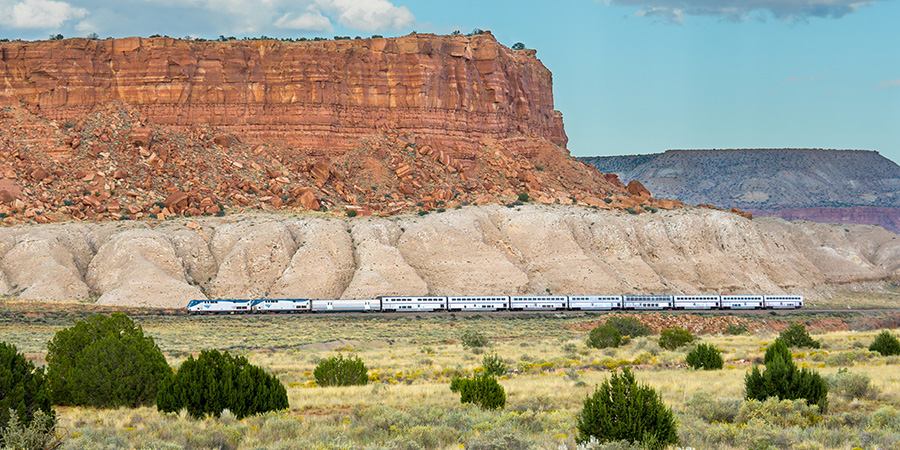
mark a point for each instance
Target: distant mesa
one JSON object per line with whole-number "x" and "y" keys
{"x": 848, "y": 186}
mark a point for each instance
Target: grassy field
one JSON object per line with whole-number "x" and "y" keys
{"x": 408, "y": 404}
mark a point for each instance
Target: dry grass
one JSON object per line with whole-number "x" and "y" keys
{"x": 409, "y": 404}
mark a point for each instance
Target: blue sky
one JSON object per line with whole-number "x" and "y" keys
{"x": 630, "y": 76}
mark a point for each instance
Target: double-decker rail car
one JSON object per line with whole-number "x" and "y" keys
{"x": 696, "y": 302}
{"x": 293, "y": 305}
{"x": 340, "y": 305}
{"x": 595, "y": 302}
{"x": 647, "y": 302}
{"x": 783, "y": 301}
{"x": 478, "y": 303}
{"x": 497, "y": 303}
{"x": 413, "y": 303}
{"x": 219, "y": 306}
{"x": 537, "y": 302}
{"x": 742, "y": 302}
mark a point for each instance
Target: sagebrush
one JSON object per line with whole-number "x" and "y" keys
{"x": 473, "y": 339}
{"x": 340, "y": 371}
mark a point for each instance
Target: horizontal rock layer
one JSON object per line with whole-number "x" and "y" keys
{"x": 474, "y": 250}
{"x": 450, "y": 90}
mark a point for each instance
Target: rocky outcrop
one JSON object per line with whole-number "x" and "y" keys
{"x": 851, "y": 186}
{"x": 473, "y": 250}
{"x": 453, "y": 90}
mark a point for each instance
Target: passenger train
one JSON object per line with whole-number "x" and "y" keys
{"x": 498, "y": 303}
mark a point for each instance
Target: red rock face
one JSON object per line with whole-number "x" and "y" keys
{"x": 448, "y": 90}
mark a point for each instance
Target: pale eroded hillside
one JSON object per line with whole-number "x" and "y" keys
{"x": 491, "y": 249}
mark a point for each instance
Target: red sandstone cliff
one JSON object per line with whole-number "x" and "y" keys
{"x": 152, "y": 128}
{"x": 447, "y": 90}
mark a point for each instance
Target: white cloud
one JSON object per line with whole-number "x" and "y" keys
{"x": 38, "y": 14}
{"x": 889, "y": 84}
{"x": 738, "y": 10}
{"x": 255, "y": 16}
{"x": 308, "y": 21}
{"x": 368, "y": 15}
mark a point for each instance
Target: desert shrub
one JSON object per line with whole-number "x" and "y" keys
{"x": 797, "y": 336}
{"x": 672, "y": 338}
{"x": 482, "y": 390}
{"x": 338, "y": 371}
{"x": 499, "y": 438}
{"x": 217, "y": 381}
{"x": 38, "y": 434}
{"x": 886, "y": 344}
{"x": 847, "y": 358}
{"x": 604, "y": 336}
{"x": 628, "y": 326}
{"x": 777, "y": 349}
{"x": 735, "y": 330}
{"x": 523, "y": 197}
{"x": 784, "y": 380}
{"x": 351, "y": 213}
{"x": 706, "y": 357}
{"x": 712, "y": 409}
{"x": 851, "y": 385}
{"x": 473, "y": 339}
{"x": 622, "y": 409}
{"x": 23, "y": 389}
{"x": 104, "y": 361}
{"x": 493, "y": 364}
{"x": 885, "y": 418}
{"x": 782, "y": 413}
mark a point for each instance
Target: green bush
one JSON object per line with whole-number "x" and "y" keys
{"x": 851, "y": 385}
{"x": 797, "y": 336}
{"x": 706, "y": 357}
{"x": 604, "y": 336}
{"x": 482, "y": 390}
{"x": 338, "y": 371}
{"x": 886, "y": 344}
{"x": 672, "y": 338}
{"x": 24, "y": 391}
{"x": 628, "y": 326}
{"x": 104, "y": 361}
{"x": 39, "y": 434}
{"x": 523, "y": 197}
{"x": 784, "y": 380}
{"x": 735, "y": 330}
{"x": 493, "y": 364}
{"x": 217, "y": 381}
{"x": 621, "y": 409}
{"x": 351, "y": 213}
{"x": 473, "y": 339}
{"x": 777, "y": 349}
